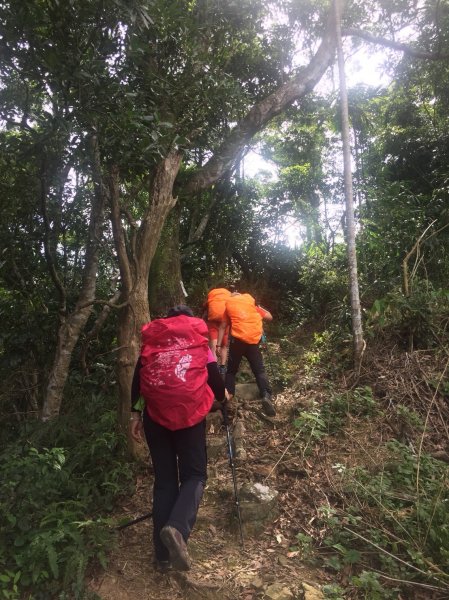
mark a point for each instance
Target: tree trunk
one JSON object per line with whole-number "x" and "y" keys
{"x": 356, "y": 312}
{"x": 134, "y": 262}
{"x": 313, "y": 227}
{"x": 165, "y": 272}
{"x": 73, "y": 324}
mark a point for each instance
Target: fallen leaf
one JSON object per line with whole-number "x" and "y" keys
{"x": 257, "y": 582}
{"x": 283, "y": 560}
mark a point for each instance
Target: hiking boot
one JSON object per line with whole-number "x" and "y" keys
{"x": 175, "y": 544}
{"x": 267, "y": 405}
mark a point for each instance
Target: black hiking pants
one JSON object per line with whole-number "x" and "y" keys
{"x": 239, "y": 349}
{"x": 180, "y": 472}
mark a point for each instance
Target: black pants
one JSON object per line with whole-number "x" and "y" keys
{"x": 238, "y": 350}
{"x": 180, "y": 472}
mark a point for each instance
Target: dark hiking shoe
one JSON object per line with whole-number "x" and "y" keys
{"x": 267, "y": 405}
{"x": 175, "y": 544}
{"x": 163, "y": 566}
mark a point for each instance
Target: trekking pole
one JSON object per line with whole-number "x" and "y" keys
{"x": 234, "y": 475}
{"x": 134, "y": 521}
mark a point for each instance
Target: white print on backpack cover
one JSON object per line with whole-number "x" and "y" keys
{"x": 182, "y": 367}
{"x": 169, "y": 361}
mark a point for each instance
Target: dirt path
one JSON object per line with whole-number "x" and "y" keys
{"x": 267, "y": 567}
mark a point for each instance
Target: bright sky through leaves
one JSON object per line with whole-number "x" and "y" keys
{"x": 363, "y": 68}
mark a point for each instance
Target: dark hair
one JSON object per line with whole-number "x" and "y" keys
{"x": 180, "y": 309}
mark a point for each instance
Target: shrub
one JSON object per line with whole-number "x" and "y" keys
{"x": 419, "y": 319}
{"x": 49, "y": 496}
{"x": 400, "y": 514}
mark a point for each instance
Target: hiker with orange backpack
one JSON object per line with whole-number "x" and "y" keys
{"x": 245, "y": 319}
{"x": 215, "y": 308}
{"x": 177, "y": 376}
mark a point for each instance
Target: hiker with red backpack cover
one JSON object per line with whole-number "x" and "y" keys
{"x": 178, "y": 377}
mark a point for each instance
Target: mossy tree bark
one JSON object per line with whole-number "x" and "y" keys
{"x": 165, "y": 273}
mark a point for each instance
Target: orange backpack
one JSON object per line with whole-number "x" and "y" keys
{"x": 246, "y": 321}
{"x": 216, "y": 304}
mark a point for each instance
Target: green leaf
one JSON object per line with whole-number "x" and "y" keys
{"x": 333, "y": 562}
{"x": 19, "y": 541}
{"x": 11, "y": 519}
{"x": 351, "y": 557}
{"x": 53, "y": 560}
{"x": 102, "y": 559}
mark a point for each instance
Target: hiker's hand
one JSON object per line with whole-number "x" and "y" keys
{"x": 137, "y": 429}
{"x": 228, "y": 396}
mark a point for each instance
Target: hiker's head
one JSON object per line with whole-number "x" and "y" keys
{"x": 180, "y": 309}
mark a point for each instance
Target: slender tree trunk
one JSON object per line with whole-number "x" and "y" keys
{"x": 95, "y": 330}
{"x": 356, "y": 312}
{"x": 73, "y": 324}
{"x": 313, "y": 228}
{"x": 197, "y": 230}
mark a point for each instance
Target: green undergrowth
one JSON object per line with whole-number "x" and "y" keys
{"x": 279, "y": 365}
{"x": 57, "y": 483}
{"x": 387, "y": 524}
{"x": 415, "y": 321}
{"x": 390, "y": 525}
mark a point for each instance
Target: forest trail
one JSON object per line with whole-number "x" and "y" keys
{"x": 269, "y": 566}
{"x": 295, "y": 555}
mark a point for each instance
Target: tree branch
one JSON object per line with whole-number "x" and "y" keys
{"x": 262, "y": 112}
{"x": 117, "y": 230}
{"x": 374, "y": 39}
{"x": 47, "y": 249}
{"x": 110, "y": 303}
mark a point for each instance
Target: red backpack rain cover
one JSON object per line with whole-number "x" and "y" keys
{"x": 173, "y": 377}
